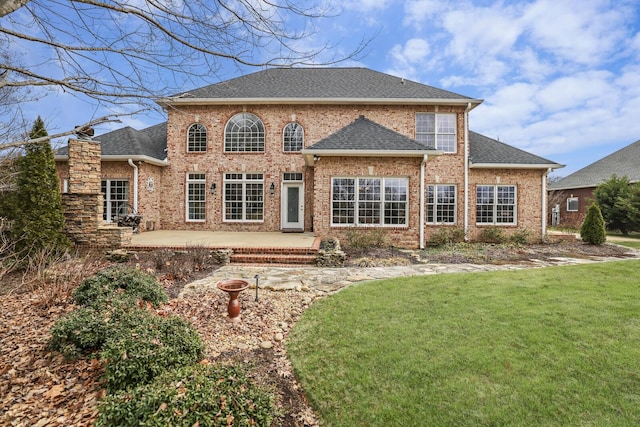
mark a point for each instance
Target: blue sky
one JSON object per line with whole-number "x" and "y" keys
{"x": 559, "y": 78}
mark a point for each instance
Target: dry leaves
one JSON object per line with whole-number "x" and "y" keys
{"x": 39, "y": 388}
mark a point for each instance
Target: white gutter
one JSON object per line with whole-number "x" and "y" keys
{"x": 466, "y": 171}
{"x": 422, "y": 205}
{"x": 122, "y": 158}
{"x": 316, "y": 101}
{"x": 514, "y": 166}
{"x": 135, "y": 185}
{"x": 310, "y": 154}
{"x": 544, "y": 204}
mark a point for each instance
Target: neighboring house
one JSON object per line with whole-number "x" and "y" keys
{"x": 322, "y": 150}
{"x": 573, "y": 194}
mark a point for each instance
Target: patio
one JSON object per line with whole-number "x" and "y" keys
{"x": 248, "y": 247}
{"x": 222, "y": 239}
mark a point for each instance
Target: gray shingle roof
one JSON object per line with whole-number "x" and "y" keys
{"x": 488, "y": 151}
{"x": 624, "y": 162}
{"x": 127, "y": 141}
{"x": 365, "y": 135}
{"x": 322, "y": 83}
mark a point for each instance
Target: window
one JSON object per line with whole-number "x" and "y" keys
{"x": 292, "y": 176}
{"x": 437, "y": 130}
{"x": 244, "y": 132}
{"x": 441, "y": 204}
{"x": 496, "y": 204}
{"x": 243, "y": 197}
{"x": 572, "y": 204}
{"x": 369, "y": 201}
{"x": 196, "y": 138}
{"x": 115, "y": 193}
{"x": 196, "y": 197}
{"x": 293, "y": 137}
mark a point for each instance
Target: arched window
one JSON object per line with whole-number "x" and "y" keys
{"x": 293, "y": 137}
{"x": 244, "y": 132}
{"x": 196, "y": 138}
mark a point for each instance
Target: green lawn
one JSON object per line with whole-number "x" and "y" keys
{"x": 544, "y": 347}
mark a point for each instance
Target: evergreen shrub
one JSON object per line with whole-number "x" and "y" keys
{"x": 593, "y": 229}
{"x": 202, "y": 395}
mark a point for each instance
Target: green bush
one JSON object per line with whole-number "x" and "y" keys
{"x": 492, "y": 234}
{"x": 520, "y": 237}
{"x": 447, "y": 235}
{"x": 593, "y": 228}
{"x": 126, "y": 282}
{"x": 193, "y": 395}
{"x": 136, "y": 355}
{"x": 86, "y": 329}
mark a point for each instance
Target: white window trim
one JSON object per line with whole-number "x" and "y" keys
{"x": 206, "y": 139}
{"x": 577, "y": 200}
{"x": 187, "y": 201}
{"x": 435, "y": 132}
{"x": 455, "y": 204}
{"x": 107, "y": 200}
{"x": 495, "y": 206}
{"x": 264, "y": 135}
{"x": 244, "y": 181}
{"x": 382, "y": 202}
{"x": 283, "y": 136}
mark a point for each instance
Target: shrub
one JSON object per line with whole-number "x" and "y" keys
{"x": 593, "y": 229}
{"x": 520, "y": 237}
{"x": 137, "y": 354}
{"x": 360, "y": 240}
{"x": 492, "y": 234}
{"x": 447, "y": 235}
{"x": 193, "y": 395}
{"x": 86, "y": 329}
{"x": 127, "y": 282}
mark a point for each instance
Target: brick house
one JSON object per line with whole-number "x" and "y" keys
{"x": 322, "y": 150}
{"x": 573, "y": 194}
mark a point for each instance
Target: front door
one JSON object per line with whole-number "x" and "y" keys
{"x": 292, "y": 206}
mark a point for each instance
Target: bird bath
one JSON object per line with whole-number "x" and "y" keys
{"x": 233, "y": 287}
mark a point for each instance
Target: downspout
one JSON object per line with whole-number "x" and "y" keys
{"x": 422, "y": 166}
{"x": 544, "y": 205}
{"x": 466, "y": 171}
{"x": 135, "y": 186}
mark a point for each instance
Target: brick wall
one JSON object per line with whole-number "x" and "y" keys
{"x": 528, "y": 185}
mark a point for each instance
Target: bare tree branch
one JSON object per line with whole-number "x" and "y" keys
{"x": 91, "y": 123}
{"x": 120, "y": 51}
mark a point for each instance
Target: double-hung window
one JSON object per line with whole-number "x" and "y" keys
{"x": 441, "y": 204}
{"x": 196, "y": 197}
{"x": 244, "y": 133}
{"x": 244, "y": 197}
{"x": 496, "y": 204}
{"x": 369, "y": 201}
{"x": 196, "y": 138}
{"x": 437, "y": 130}
{"x": 115, "y": 193}
{"x": 293, "y": 137}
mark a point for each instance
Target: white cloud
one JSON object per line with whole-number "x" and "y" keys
{"x": 418, "y": 12}
{"x": 576, "y": 91}
{"x": 409, "y": 57}
{"x": 584, "y": 33}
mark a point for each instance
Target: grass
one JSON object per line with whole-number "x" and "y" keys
{"x": 548, "y": 347}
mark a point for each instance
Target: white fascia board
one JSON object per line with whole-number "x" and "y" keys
{"x": 309, "y": 155}
{"x": 318, "y": 101}
{"x": 515, "y": 166}
{"x": 122, "y": 158}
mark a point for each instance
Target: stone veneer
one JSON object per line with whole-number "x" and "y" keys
{"x": 83, "y": 203}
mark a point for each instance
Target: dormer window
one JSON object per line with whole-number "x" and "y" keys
{"x": 196, "y": 138}
{"x": 437, "y": 130}
{"x": 244, "y": 132}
